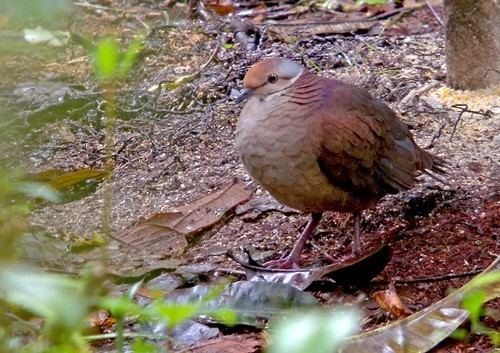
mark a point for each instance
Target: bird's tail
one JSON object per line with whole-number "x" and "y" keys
{"x": 433, "y": 166}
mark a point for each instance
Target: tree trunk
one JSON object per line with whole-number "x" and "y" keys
{"x": 472, "y": 43}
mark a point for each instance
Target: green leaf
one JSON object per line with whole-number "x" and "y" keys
{"x": 490, "y": 280}
{"x": 121, "y": 306}
{"x": 106, "y": 59}
{"x": 140, "y": 346}
{"x": 460, "y": 334}
{"x": 129, "y": 58}
{"x": 59, "y": 300}
{"x": 226, "y": 316}
{"x": 67, "y": 179}
{"x": 372, "y": 2}
{"x": 71, "y": 185}
{"x": 173, "y": 314}
{"x": 473, "y": 303}
{"x": 314, "y": 331}
{"x": 83, "y": 244}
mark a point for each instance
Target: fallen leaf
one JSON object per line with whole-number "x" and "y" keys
{"x": 168, "y": 233}
{"x": 224, "y": 7}
{"x": 41, "y": 35}
{"x": 351, "y": 271}
{"x": 230, "y": 344}
{"x": 156, "y": 238}
{"x": 192, "y": 332}
{"x": 101, "y": 321}
{"x": 254, "y": 303}
{"x": 420, "y": 332}
{"x": 60, "y": 179}
{"x": 390, "y": 301}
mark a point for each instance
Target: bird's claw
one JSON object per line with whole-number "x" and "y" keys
{"x": 285, "y": 262}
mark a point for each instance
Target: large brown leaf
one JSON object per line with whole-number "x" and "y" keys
{"x": 168, "y": 233}
{"x": 230, "y": 344}
{"x": 351, "y": 271}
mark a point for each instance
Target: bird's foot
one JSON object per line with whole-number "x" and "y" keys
{"x": 355, "y": 254}
{"x": 357, "y": 251}
{"x": 285, "y": 262}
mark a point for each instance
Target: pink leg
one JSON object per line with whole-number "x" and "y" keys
{"x": 356, "y": 242}
{"x": 292, "y": 260}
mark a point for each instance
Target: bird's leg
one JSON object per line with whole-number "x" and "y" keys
{"x": 356, "y": 242}
{"x": 292, "y": 259}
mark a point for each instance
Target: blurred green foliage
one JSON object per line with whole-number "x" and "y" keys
{"x": 15, "y": 197}
{"x": 43, "y": 312}
{"x": 474, "y": 302}
{"x": 50, "y": 13}
{"x": 110, "y": 63}
{"x": 314, "y": 331}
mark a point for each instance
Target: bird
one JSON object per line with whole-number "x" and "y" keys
{"x": 319, "y": 144}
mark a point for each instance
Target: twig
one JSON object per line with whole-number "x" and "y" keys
{"x": 439, "y": 278}
{"x": 417, "y": 92}
{"x": 106, "y": 336}
{"x": 263, "y": 11}
{"x": 434, "y": 12}
{"x": 367, "y": 19}
{"x": 230, "y": 271}
{"x": 327, "y": 256}
{"x": 92, "y": 6}
{"x": 464, "y": 108}
{"x": 178, "y": 112}
{"x": 436, "y": 135}
{"x": 431, "y": 278}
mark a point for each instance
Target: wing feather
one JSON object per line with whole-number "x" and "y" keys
{"x": 365, "y": 149}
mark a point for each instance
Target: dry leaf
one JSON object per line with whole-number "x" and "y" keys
{"x": 230, "y": 344}
{"x": 220, "y": 7}
{"x": 101, "y": 321}
{"x": 167, "y": 233}
{"x": 390, "y": 301}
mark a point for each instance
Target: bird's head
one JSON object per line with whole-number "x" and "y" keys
{"x": 270, "y": 76}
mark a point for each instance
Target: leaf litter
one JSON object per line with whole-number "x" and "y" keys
{"x": 168, "y": 233}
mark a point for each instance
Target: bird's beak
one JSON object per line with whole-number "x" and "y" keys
{"x": 245, "y": 93}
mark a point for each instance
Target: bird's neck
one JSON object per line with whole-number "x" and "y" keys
{"x": 306, "y": 90}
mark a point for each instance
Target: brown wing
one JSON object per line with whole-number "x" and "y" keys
{"x": 366, "y": 149}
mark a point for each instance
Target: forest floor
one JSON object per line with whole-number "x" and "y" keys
{"x": 174, "y": 146}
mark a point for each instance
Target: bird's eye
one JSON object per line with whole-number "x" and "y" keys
{"x": 272, "y": 78}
